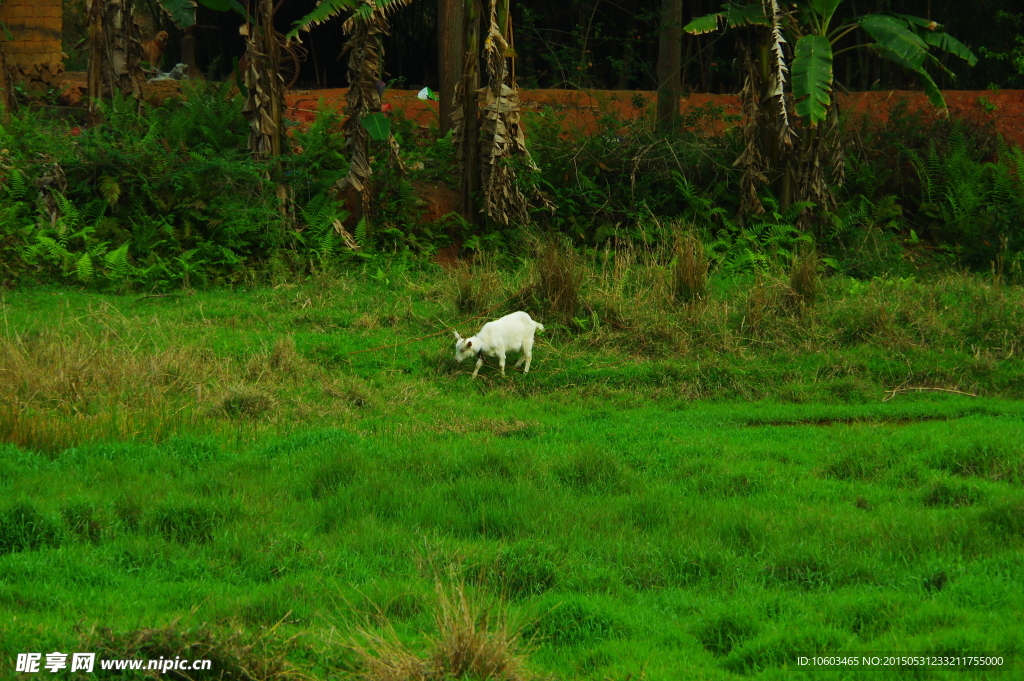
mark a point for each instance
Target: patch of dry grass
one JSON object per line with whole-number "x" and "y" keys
{"x": 476, "y": 286}
{"x": 559, "y": 278}
{"x": 472, "y": 639}
{"x": 689, "y": 269}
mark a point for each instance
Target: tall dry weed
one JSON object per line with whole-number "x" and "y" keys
{"x": 804, "y": 282}
{"x": 559, "y": 277}
{"x": 472, "y": 640}
{"x": 689, "y": 269}
{"x": 477, "y": 285}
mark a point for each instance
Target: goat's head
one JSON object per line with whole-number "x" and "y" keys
{"x": 465, "y": 347}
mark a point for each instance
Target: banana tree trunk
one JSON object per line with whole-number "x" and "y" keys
{"x": 115, "y": 53}
{"x": 264, "y": 106}
{"x": 365, "y": 65}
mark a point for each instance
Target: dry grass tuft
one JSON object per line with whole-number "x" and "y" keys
{"x": 765, "y": 307}
{"x": 804, "y": 282}
{"x": 689, "y": 269}
{"x": 249, "y": 402}
{"x": 285, "y": 357}
{"x": 477, "y": 285}
{"x": 72, "y": 374}
{"x": 473, "y": 640}
{"x": 559, "y": 277}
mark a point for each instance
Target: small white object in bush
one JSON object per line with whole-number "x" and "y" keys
{"x": 511, "y": 333}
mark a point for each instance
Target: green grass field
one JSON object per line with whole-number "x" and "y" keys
{"x": 699, "y": 491}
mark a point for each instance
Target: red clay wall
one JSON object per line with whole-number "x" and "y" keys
{"x": 34, "y": 55}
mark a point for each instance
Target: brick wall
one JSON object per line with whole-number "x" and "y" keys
{"x": 34, "y": 55}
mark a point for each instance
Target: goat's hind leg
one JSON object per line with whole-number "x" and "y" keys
{"x": 527, "y": 355}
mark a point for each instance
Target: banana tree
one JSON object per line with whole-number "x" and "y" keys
{"x": 487, "y": 131}
{"x": 803, "y": 161}
{"x": 115, "y": 53}
{"x": 367, "y": 23}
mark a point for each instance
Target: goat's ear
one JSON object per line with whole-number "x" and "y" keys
{"x": 469, "y": 344}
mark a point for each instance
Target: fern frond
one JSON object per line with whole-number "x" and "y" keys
{"x": 72, "y": 217}
{"x": 17, "y": 186}
{"x": 110, "y": 189}
{"x": 361, "y": 230}
{"x": 117, "y": 262}
{"x": 84, "y": 268}
{"x": 51, "y": 249}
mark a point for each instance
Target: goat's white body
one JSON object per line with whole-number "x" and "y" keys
{"x": 511, "y": 333}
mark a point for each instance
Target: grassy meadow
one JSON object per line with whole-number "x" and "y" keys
{"x": 695, "y": 481}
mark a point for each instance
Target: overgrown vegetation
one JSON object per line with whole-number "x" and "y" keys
{"x": 168, "y": 198}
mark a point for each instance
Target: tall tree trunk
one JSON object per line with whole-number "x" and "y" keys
{"x": 188, "y": 53}
{"x": 669, "y": 46}
{"x": 622, "y": 77}
{"x": 450, "y": 56}
{"x": 467, "y": 112}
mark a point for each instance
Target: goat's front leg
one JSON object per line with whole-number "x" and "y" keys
{"x": 501, "y": 361}
{"x": 479, "y": 363}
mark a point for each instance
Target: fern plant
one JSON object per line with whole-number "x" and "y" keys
{"x": 319, "y": 216}
{"x": 763, "y": 242}
{"x": 973, "y": 208}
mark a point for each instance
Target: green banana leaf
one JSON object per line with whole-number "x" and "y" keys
{"x": 900, "y": 44}
{"x": 181, "y": 12}
{"x": 824, "y": 9}
{"x": 811, "y": 74}
{"x": 705, "y": 24}
{"x": 948, "y": 43}
{"x": 733, "y": 16}
{"x": 377, "y": 125}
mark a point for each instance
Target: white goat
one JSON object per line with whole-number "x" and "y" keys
{"x": 511, "y": 333}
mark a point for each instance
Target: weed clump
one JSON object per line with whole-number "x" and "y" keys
{"x": 476, "y": 286}
{"x": 246, "y": 402}
{"x": 472, "y": 640}
{"x": 804, "y": 283}
{"x": 559, "y": 278}
{"x": 689, "y": 269}
{"x": 24, "y": 528}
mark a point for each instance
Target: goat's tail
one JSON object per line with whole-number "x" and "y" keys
{"x": 539, "y": 326}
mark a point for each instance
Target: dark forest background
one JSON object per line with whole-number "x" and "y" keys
{"x": 613, "y": 44}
